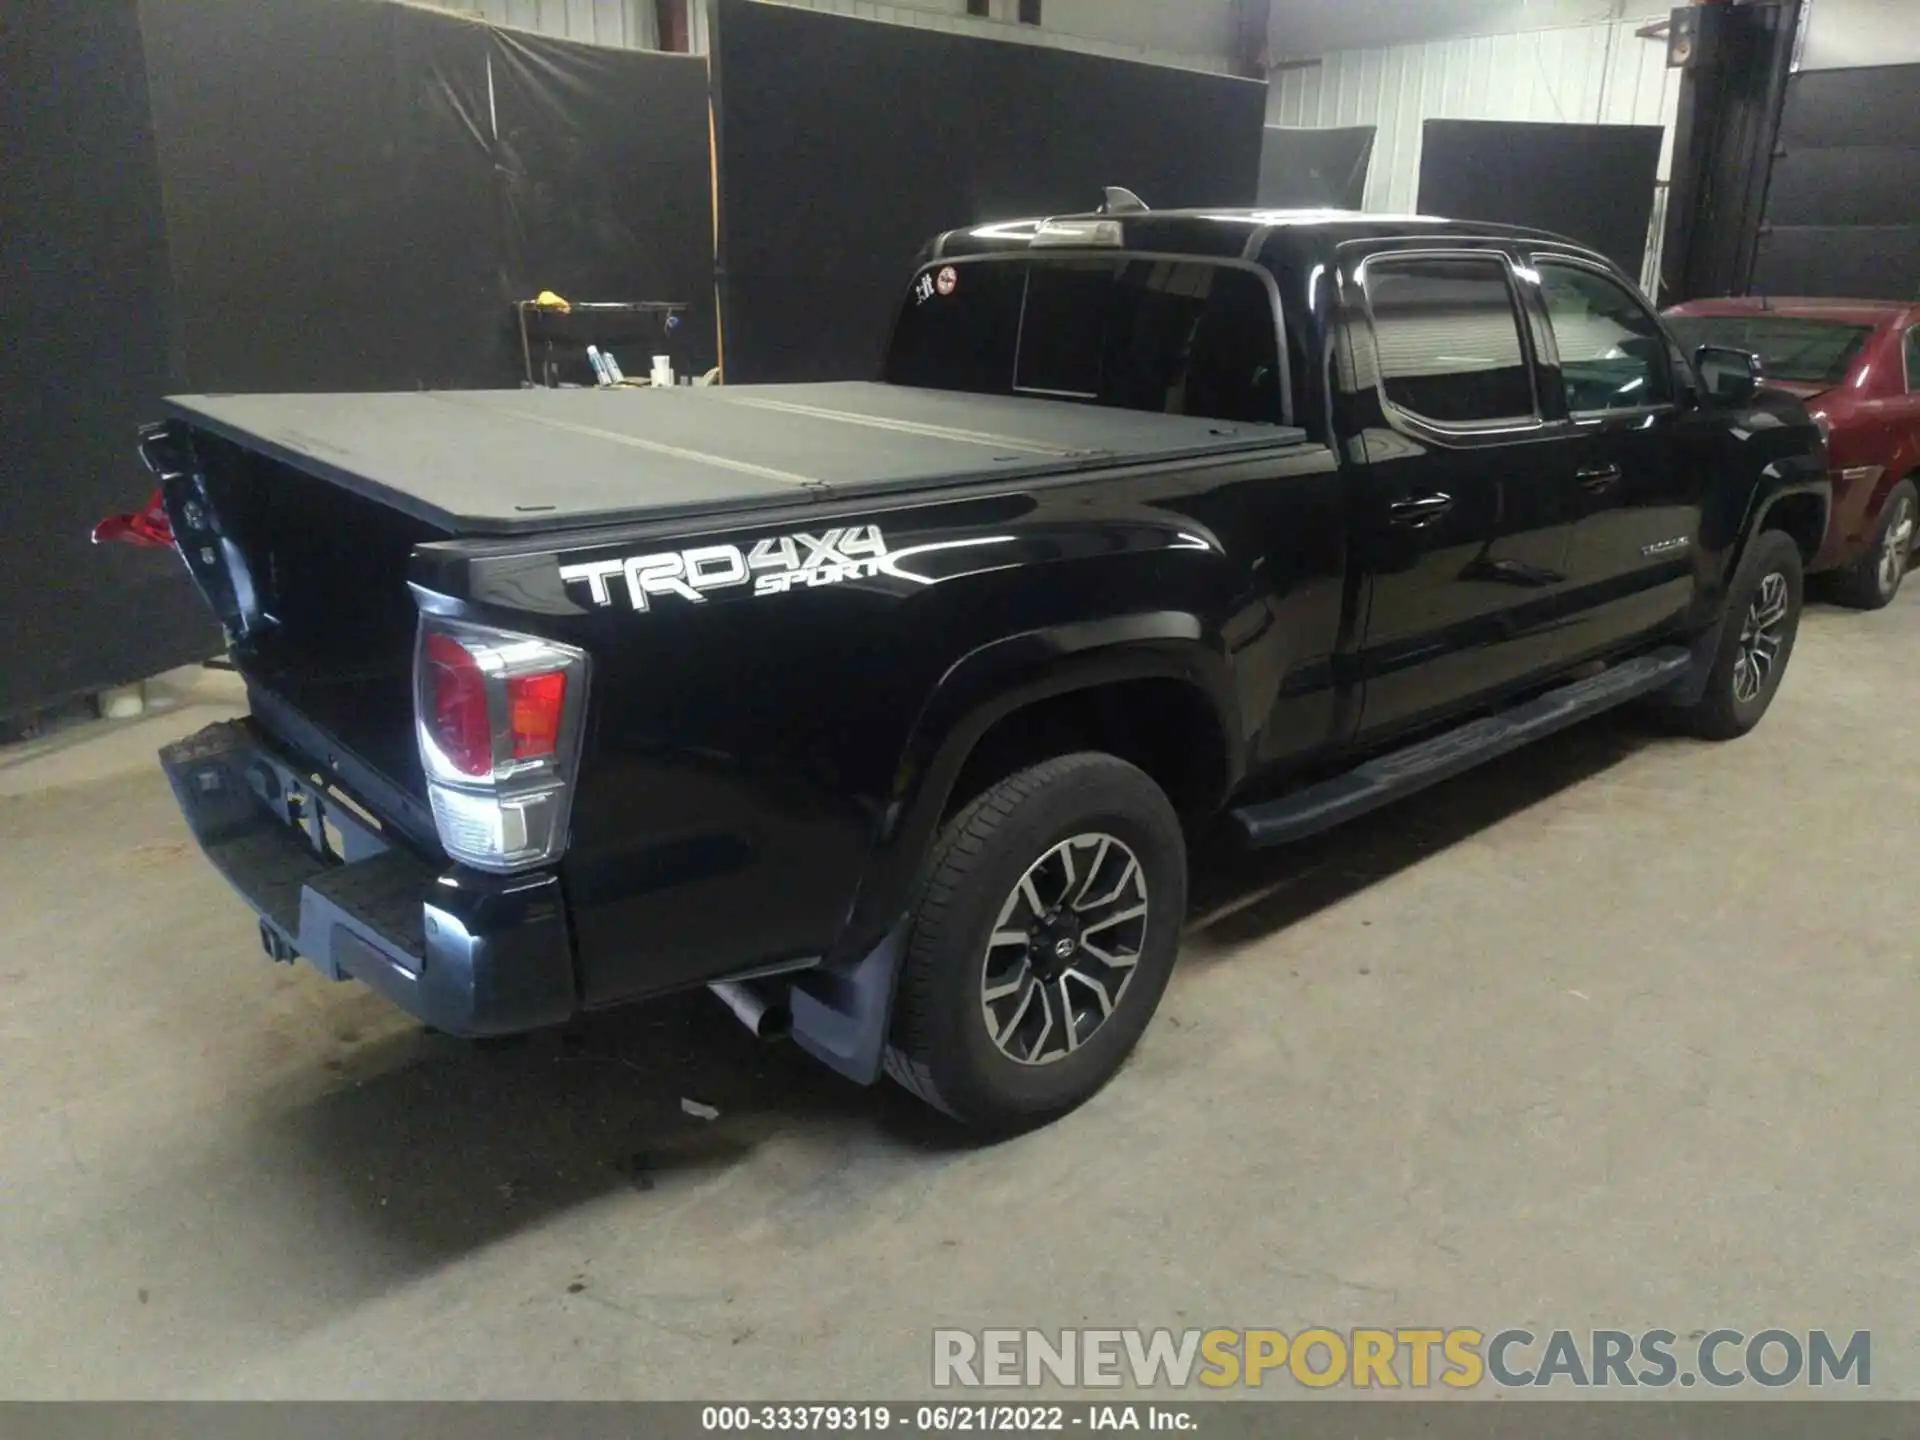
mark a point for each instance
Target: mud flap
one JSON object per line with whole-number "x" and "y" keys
{"x": 840, "y": 1017}
{"x": 1692, "y": 684}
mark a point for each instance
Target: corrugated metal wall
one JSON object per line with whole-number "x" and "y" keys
{"x": 1090, "y": 33}
{"x": 1108, "y": 29}
{"x": 627, "y": 24}
{"x": 1585, "y": 74}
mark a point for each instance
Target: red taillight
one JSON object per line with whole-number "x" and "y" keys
{"x": 144, "y": 527}
{"x": 457, "y": 706}
{"x": 499, "y": 721}
{"x": 535, "y": 704}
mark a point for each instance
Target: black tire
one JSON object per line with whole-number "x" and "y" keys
{"x": 1729, "y": 706}
{"x": 941, "y": 1046}
{"x": 1871, "y": 582}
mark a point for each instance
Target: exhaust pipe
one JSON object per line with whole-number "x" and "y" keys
{"x": 277, "y": 948}
{"x": 756, "y": 1008}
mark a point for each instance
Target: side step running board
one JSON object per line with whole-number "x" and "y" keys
{"x": 1367, "y": 787}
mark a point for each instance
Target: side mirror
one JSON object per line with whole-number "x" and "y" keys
{"x": 1730, "y": 376}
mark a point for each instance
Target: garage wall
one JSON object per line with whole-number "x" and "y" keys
{"x": 625, "y": 23}
{"x": 1584, "y": 74}
{"x": 1305, "y": 28}
{"x": 83, "y": 246}
{"x": 289, "y": 195}
{"x": 840, "y": 156}
{"x": 1193, "y": 34}
{"x": 1850, "y": 34}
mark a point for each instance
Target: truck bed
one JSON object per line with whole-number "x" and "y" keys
{"x": 509, "y": 461}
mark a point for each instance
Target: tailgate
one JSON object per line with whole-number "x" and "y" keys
{"x": 310, "y": 582}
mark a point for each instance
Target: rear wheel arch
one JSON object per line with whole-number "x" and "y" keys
{"x": 1883, "y": 491}
{"x": 1874, "y": 575}
{"x": 1107, "y": 685}
{"x": 1892, "y": 480}
{"x": 1163, "y": 725}
{"x": 1076, "y": 684}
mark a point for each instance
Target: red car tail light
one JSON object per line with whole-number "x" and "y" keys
{"x": 499, "y": 722}
{"x": 536, "y": 705}
{"x": 456, "y": 708}
{"x": 149, "y": 526}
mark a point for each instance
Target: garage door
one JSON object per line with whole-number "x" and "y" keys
{"x": 1843, "y": 209}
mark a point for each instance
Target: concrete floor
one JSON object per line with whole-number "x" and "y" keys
{"x": 1619, "y": 1034}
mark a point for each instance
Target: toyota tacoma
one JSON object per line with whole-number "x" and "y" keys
{"x": 886, "y": 708}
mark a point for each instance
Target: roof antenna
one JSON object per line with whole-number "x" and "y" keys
{"x": 1120, "y": 201}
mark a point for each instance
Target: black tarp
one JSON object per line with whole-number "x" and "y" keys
{"x": 1842, "y": 217}
{"x": 606, "y": 176}
{"x": 1315, "y": 168}
{"x": 289, "y": 195}
{"x": 845, "y": 145}
{"x": 83, "y": 325}
{"x": 356, "y": 190}
{"x": 330, "y": 195}
{"x": 1591, "y": 183}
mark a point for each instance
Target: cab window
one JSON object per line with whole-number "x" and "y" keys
{"x": 1613, "y": 355}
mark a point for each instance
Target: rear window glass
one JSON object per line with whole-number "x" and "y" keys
{"x": 1810, "y": 352}
{"x": 1448, "y": 338}
{"x": 1172, "y": 336}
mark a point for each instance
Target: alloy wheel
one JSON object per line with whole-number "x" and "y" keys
{"x": 1064, "y": 948}
{"x": 1897, "y": 546}
{"x": 1761, "y": 638}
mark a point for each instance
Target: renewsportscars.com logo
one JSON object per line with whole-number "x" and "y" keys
{"x": 1367, "y": 1358}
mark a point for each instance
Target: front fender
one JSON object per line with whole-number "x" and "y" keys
{"x": 1781, "y": 450}
{"x": 1799, "y": 481}
{"x": 993, "y": 681}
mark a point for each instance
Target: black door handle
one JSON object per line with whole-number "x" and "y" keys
{"x": 1600, "y": 477}
{"x": 1419, "y": 509}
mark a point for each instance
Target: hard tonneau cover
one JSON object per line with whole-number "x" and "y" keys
{"x": 508, "y": 461}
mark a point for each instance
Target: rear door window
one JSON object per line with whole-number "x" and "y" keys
{"x": 1171, "y": 336}
{"x": 1446, "y": 332}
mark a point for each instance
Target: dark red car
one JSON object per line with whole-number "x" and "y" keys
{"x": 1856, "y": 363}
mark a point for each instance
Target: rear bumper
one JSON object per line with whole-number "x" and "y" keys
{"x": 466, "y": 953}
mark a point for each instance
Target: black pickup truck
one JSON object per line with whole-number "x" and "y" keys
{"x": 885, "y": 708}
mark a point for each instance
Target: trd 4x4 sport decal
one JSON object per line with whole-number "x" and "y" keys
{"x": 774, "y": 565}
